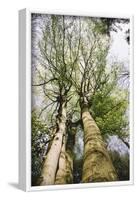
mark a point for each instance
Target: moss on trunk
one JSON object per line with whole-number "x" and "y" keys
{"x": 65, "y": 166}
{"x": 97, "y": 165}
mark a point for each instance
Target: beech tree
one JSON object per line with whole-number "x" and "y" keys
{"x": 57, "y": 54}
{"x": 97, "y": 165}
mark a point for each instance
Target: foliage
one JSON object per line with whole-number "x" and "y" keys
{"x": 39, "y": 139}
{"x": 109, "y": 111}
{"x": 111, "y": 24}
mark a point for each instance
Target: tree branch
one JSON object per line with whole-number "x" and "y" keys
{"x": 45, "y": 82}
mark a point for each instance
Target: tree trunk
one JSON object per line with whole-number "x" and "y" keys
{"x": 69, "y": 166}
{"x": 97, "y": 165}
{"x": 52, "y": 158}
{"x": 65, "y": 167}
{"x": 69, "y": 154}
{"x": 61, "y": 172}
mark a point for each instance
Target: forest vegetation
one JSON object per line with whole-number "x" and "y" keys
{"x": 80, "y": 101}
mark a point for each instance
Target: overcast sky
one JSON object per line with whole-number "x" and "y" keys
{"x": 119, "y": 49}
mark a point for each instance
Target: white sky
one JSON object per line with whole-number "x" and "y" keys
{"x": 119, "y": 49}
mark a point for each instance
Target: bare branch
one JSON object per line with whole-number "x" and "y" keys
{"x": 45, "y": 82}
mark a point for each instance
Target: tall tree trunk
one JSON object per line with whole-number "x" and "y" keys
{"x": 97, "y": 165}
{"x": 52, "y": 157}
{"x": 61, "y": 172}
{"x": 65, "y": 171}
{"x": 65, "y": 167}
{"x": 69, "y": 166}
{"x": 69, "y": 156}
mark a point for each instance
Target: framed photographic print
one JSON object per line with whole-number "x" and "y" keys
{"x": 75, "y": 100}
